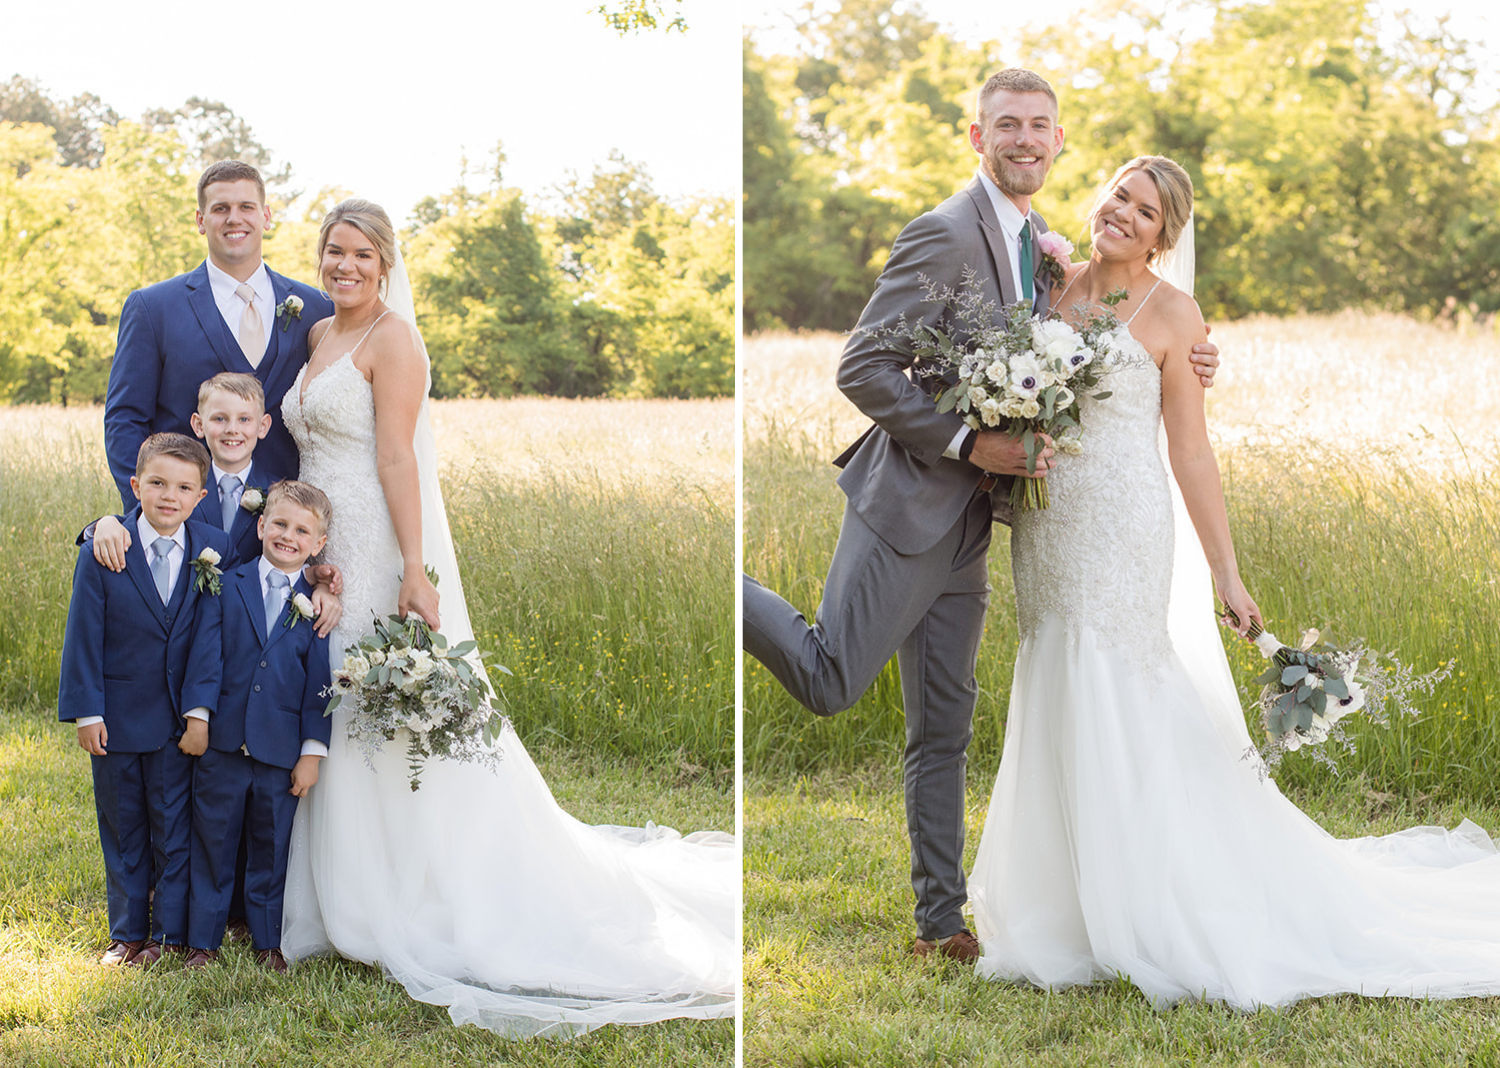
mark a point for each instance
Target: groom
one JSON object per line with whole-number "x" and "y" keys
{"x": 228, "y": 314}
{"x": 908, "y": 575}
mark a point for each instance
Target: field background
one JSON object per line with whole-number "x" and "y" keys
{"x": 1359, "y": 455}
{"x": 597, "y": 544}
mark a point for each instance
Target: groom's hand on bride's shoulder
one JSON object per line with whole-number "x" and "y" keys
{"x": 1001, "y": 454}
{"x": 1205, "y": 357}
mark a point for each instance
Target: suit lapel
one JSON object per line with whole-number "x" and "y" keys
{"x": 272, "y": 361}
{"x": 140, "y": 572}
{"x": 278, "y": 631}
{"x": 201, "y": 299}
{"x": 255, "y": 604}
{"x": 1040, "y": 278}
{"x": 183, "y": 593}
{"x": 994, "y": 238}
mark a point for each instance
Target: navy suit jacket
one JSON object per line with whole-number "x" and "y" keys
{"x": 130, "y": 658}
{"x": 271, "y": 698}
{"x": 244, "y": 539}
{"x": 172, "y": 338}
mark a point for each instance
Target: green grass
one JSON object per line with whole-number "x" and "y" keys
{"x": 830, "y": 980}
{"x": 1360, "y": 548}
{"x": 612, "y": 603}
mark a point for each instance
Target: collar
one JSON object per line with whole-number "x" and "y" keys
{"x": 218, "y": 473}
{"x": 148, "y": 535}
{"x": 224, "y": 284}
{"x": 266, "y": 567}
{"x": 1005, "y": 209}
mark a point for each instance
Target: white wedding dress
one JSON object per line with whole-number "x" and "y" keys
{"x": 1127, "y": 835}
{"x": 477, "y": 891}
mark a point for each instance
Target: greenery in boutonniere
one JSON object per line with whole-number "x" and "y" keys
{"x": 289, "y": 309}
{"x": 206, "y": 572}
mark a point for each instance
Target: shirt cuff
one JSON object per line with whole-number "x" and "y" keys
{"x": 87, "y": 721}
{"x": 313, "y": 747}
{"x": 196, "y": 713}
{"x": 952, "y": 451}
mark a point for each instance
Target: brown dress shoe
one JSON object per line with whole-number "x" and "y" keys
{"x": 272, "y": 959}
{"x": 121, "y": 953}
{"x": 962, "y": 947}
{"x": 148, "y": 954}
{"x": 237, "y": 930}
{"x": 201, "y": 958}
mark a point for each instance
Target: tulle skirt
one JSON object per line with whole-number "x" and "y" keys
{"x": 1127, "y": 835}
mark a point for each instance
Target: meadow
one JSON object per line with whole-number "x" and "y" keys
{"x": 597, "y": 544}
{"x": 1360, "y": 466}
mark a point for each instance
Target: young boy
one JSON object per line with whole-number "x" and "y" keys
{"x": 267, "y": 734}
{"x": 133, "y": 659}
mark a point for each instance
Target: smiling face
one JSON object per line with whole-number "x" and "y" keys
{"x": 290, "y": 533}
{"x": 230, "y": 425}
{"x": 169, "y": 489}
{"x": 234, "y": 217}
{"x": 350, "y": 267}
{"x": 1129, "y": 222}
{"x": 1018, "y": 138}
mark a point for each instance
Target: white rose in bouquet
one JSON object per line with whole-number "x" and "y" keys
{"x": 990, "y": 412}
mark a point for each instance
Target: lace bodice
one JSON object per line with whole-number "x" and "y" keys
{"x": 1101, "y": 555}
{"x": 333, "y": 423}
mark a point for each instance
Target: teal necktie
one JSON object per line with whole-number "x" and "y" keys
{"x": 1028, "y": 287}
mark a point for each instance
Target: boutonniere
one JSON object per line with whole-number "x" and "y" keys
{"x": 298, "y": 607}
{"x": 289, "y": 309}
{"x": 252, "y": 500}
{"x": 207, "y": 573}
{"x": 1057, "y": 252}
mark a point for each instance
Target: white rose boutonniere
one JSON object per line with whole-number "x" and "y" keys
{"x": 206, "y": 573}
{"x": 252, "y": 500}
{"x": 289, "y": 309}
{"x": 298, "y": 607}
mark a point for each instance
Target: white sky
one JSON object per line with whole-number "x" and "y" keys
{"x": 385, "y": 98}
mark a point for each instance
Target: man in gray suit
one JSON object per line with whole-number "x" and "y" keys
{"x": 908, "y": 575}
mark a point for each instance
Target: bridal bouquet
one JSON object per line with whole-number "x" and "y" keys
{"x": 1307, "y": 690}
{"x": 405, "y": 683}
{"x": 1024, "y": 375}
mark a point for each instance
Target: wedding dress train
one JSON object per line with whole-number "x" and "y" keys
{"x": 477, "y": 891}
{"x": 1127, "y": 835}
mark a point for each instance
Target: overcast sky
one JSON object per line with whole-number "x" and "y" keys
{"x": 385, "y": 98}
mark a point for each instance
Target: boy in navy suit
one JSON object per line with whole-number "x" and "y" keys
{"x": 262, "y": 745}
{"x": 134, "y": 657}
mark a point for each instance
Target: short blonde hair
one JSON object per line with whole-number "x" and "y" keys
{"x": 243, "y": 386}
{"x": 1173, "y": 187}
{"x": 176, "y": 447}
{"x": 1013, "y": 80}
{"x": 303, "y": 495}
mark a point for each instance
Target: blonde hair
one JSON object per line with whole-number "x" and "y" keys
{"x": 1013, "y": 80}
{"x": 369, "y": 219}
{"x": 243, "y": 386}
{"x": 304, "y": 496}
{"x": 175, "y": 447}
{"x": 1173, "y": 187}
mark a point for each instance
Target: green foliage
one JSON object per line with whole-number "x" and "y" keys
{"x": 1332, "y": 168}
{"x": 632, "y": 16}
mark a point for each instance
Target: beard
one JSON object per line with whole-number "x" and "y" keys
{"x": 1012, "y": 180}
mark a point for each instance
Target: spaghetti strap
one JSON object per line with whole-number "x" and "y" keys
{"x": 383, "y": 314}
{"x": 1058, "y": 302}
{"x": 1142, "y": 304}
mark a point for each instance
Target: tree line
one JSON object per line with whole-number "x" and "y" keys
{"x": 1334, "y": 165}
{"x": 603, "y": 288}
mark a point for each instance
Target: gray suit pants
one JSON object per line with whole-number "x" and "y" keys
{"x": 928, "y": 609}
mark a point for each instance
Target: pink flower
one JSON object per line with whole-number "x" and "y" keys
{"x": 1055, "y": 245}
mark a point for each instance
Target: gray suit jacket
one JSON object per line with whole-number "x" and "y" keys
{"x": 896, "y": 476}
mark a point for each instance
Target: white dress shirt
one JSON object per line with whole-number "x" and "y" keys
{"x": 232, "y": 308}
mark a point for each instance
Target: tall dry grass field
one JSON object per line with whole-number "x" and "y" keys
{"x": 1360, "y": 462}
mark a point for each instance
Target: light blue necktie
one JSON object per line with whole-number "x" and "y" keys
{"x": 1028, "y": 287}
{"x": 227, "y": 499}
{"x": 161, "y": 570}
{"x": 276, "y": 582}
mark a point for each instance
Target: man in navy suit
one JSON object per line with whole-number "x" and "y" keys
{"x": 231, "y": 313}
{"x": 261, "y": 746}
{"x": 132, "y": 660}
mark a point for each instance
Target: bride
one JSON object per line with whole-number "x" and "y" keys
{"x": 477, "y": 891}
{"x": 1126, "y": 835}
